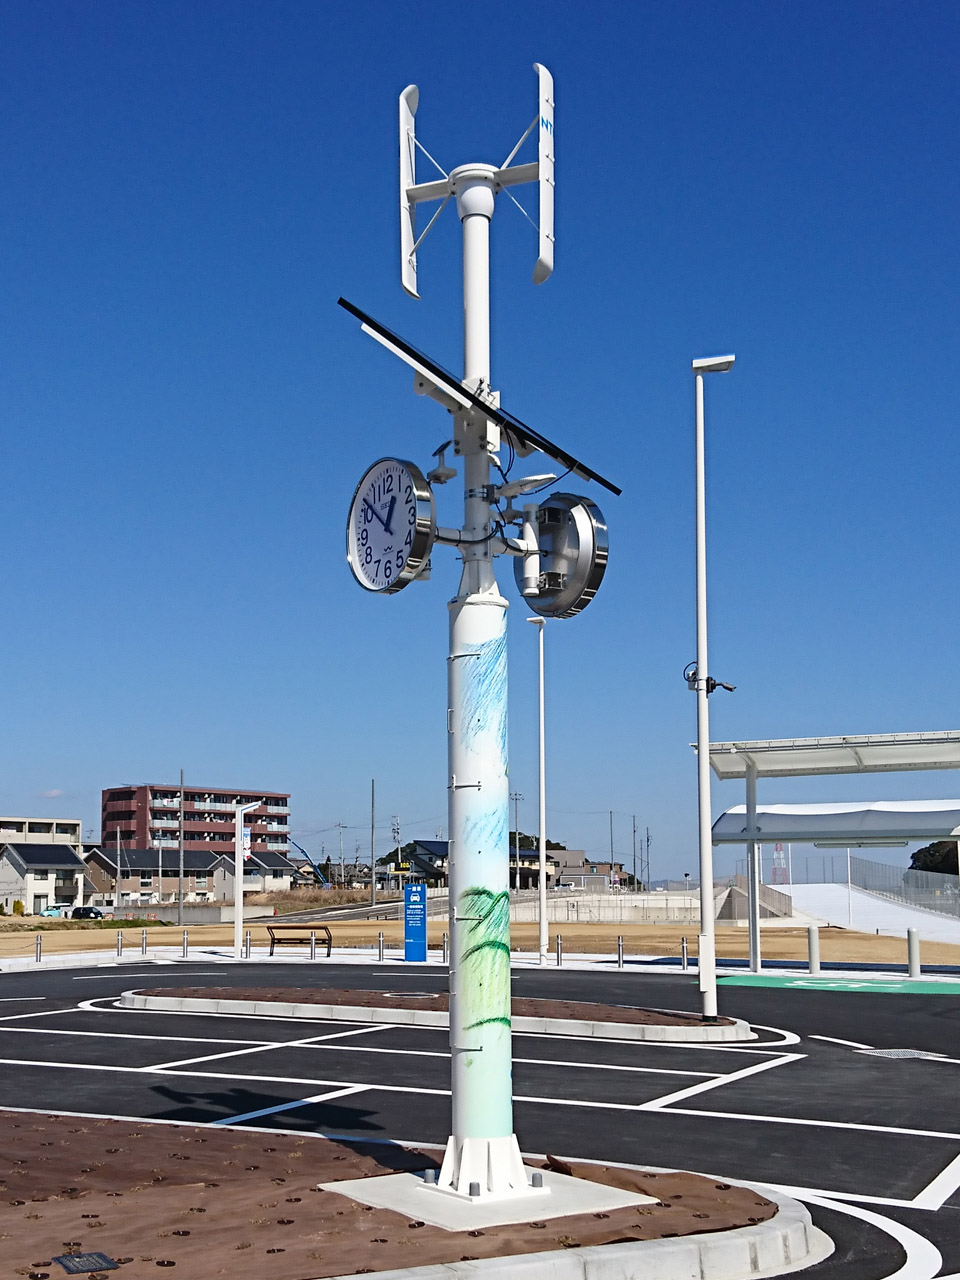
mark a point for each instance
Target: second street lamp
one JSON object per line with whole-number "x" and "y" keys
{"x": 699, "y": 679}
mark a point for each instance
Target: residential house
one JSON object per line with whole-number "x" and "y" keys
{"x": 134, "y": 877}
{"x": 40, "y": 876}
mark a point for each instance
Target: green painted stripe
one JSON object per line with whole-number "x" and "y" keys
{"x": 875, "y": 986}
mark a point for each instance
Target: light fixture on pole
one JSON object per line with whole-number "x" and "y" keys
{"x": 238, "y": 813}
{"x": 544, "y": 930}
{"x": 698, "y": 678}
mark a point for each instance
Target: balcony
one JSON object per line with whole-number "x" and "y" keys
{"x": 277, "y": 808}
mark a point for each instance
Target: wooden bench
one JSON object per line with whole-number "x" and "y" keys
{"x": 296, "y": 934}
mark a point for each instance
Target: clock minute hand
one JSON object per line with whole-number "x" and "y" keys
{"x": 375, "y": 512}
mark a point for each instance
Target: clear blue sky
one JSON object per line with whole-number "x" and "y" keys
{"x": 184, "y": 411}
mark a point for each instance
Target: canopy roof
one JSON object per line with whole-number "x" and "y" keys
{"x": 861, "y": 753}
{"x": 854, "y": 824}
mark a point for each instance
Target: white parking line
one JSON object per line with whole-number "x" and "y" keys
{"x": 288, "y": 1106}
{"x": 850, "y": 1044}
{"x": 936, "y": 1193}
{"x": 19, "y": 999}
{"x": 263, "y": 1047}
{"x": 659, "y": 1103}
{"x": 130, "y": 1035}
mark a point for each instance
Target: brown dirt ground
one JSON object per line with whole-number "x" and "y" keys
{"x": 645, "y": 939}
{"x": 522, "y": 1007}
{"x": 218, "y": 1202}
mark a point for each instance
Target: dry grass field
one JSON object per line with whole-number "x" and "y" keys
{"x": 639, "y": 939}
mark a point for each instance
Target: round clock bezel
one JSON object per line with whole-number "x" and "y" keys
{"x": 578, "y": 548}
{"x": 424, "y": 529}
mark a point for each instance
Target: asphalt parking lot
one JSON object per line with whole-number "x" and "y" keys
{"x": 871, "y": 1143}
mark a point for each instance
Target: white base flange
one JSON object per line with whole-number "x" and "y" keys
{"x": 485, "y": 1169}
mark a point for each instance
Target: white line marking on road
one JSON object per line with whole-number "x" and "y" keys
{"x": 41, "y": 1013}
{"x": 822, "y": 1124}
{"x": 657, "y": 1104}
{"x": 788, "y": 1037}
{"x": 850, "y": 1044}
{"x": 607, "y": 1066}
{"x": 923, "y": 1259}
{"x": 262, "y": 1047}
{"x": 129, "y": 1035}
{"x": 288, "y": 1106}
{"x": 19, "y": 999}
{"x": 936, "y": 1193}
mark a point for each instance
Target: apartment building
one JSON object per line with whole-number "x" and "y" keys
{"x": 147, "y": 816}
{"x": 41, "y": 831}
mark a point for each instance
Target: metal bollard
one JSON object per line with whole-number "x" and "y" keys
{"x": 185, "y": 945}
{"x": 913, "y": 953}
{"x": 559, "y": 949}
{"x": 684, "y": 958}
{"x": 313, "y": 945}
{"x": 246, "y": 945}
{"x": 39, "y": 947}
{"x": 813, "y": 948}
{"x": 620, "y": 951}
{"x": 143, "y": 942}
{"x": 119, "y": 943}
{"x": 380, "y": 947}
{"x": 446, "y": 948}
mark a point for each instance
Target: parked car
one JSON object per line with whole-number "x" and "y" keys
{"x": 55, "y": 913}
{"x": 86, "y": 913}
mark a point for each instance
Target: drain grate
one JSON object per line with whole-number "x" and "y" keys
{"x": 901, "y": 1053}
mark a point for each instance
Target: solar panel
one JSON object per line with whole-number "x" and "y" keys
{"x": 522, "y": 437}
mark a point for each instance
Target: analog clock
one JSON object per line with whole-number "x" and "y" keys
{"x": 391, "y": 527}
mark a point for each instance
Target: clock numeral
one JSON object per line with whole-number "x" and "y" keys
{"x": 408, "y": 540}
{"x": 387, "y": 569}
{"x": 368, "y": 555}
{"x": 388, "y": 483}
{"x": 412, "y": 516}
{"x": 408, "y": 493}
{"x": 399, "y": 559}
{"x": 377, "y": 569}
{"x": 364, "y": 537}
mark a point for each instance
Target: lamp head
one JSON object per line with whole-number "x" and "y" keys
{"x": 537, "y": 622}
{"x": 713, "y": 364}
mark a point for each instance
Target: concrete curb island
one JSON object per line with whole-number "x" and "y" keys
{"x": 787, "y": 1242}
{"x": 737, "y": 1030}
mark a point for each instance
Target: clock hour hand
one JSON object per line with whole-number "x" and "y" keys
{"x": 375, "y": 512}
{"x": 386, "y": 523}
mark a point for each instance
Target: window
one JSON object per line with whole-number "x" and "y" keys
{"x": 146, "y": 880}
{"x": 67, "y": 829}
{"x": 278, "y": 873}
{"x": 200, "y": 881}
{"x": 41, "y": 875}
{"x": 40, "y": 828}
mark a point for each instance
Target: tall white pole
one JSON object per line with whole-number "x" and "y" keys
{"x": 849, "y": 895}
{"x": 544, "y": 939}
{"x": 238, "y": 813}
{"x": 482, "y": 1154}
{"x": 753, "y": 870}
{"x": 707, "y": 962}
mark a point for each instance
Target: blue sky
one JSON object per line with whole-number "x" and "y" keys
{"x": 184, "y": 411}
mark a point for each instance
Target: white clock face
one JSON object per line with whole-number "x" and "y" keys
{"x": 391, "y": 526}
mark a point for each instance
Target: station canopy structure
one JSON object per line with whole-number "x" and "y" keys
{"x": 855, "y": 824}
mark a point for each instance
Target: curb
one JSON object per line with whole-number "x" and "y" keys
{"x": 787, "y": 1242}
{"x": 737, "y": 1031}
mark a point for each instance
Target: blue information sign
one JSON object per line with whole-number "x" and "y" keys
{"x": 415, "y": 922}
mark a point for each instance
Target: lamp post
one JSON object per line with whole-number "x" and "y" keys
{"x": 707, "y": 962}
{"x": 238, "y": 813}
{"x": 544, "y": 933}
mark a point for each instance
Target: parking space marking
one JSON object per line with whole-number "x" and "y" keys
{"x": 937, "y": 1192}
{"x": 131, "y": 1035}
{"x": 849, "y": 1044}
{"x": 19, "y": 999}
{"x": 264, "y": 1047}
{"x": 815, "y": 1124}
{"x": 289, "y": 1106}
{"x": 754, "y": 1069}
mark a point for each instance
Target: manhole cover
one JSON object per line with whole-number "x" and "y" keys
{"x": 78, "y": 1264}
{"x": 901, "y": 1053}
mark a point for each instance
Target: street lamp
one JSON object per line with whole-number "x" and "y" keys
{"x": 704, "y": 686}
{"x": 238, "y": 813}
{"x": 544, "y": 936}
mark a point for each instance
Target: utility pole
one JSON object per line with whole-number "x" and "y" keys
{"x": 340, "y": 825}
{"x": 611, "y": 842}
{"x": 516, "y": 797}
{"x": 373, "y": 858}
{"x": 395, "y": 829}
{"x": 180, "y": 844}
{"x": 635, "y": 881}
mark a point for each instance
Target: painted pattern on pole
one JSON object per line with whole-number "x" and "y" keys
{"x": 480, "y": 900}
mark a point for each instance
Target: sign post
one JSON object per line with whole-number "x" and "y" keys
{"x": 415, "y": 923}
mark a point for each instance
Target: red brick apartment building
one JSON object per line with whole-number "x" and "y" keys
{"x": 148, "y": 816}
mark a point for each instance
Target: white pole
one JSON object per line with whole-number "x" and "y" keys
{"x": 238, "y": 813}
{"x": 707, "y": 942}
{"x": 790, "y": 864}
{"x": 544, "y": 939}
{"x": 753, "y": 870}
{"x": 482, "y": 1153}
{"x": 849, "y": 895}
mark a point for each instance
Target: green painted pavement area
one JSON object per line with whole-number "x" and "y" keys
{"x": 876, "y": 986}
